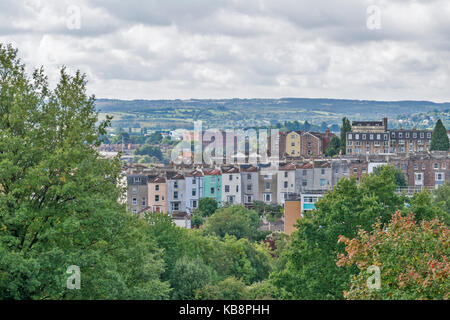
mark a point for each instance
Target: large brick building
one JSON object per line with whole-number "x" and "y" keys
{"x": 374, "y": 137}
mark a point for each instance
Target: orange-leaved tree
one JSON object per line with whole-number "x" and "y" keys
{"x": 412, "y": 258}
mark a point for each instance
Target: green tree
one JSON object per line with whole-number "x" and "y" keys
{"x": 345, "y": 128}
{"x": 441, "y": 197}
{"x": 234, "y": 220}
{"x": 154, "y": 138}
{"x": 333, "y": 147}
{"x": 400, "y": 178}
{"x": 188, "y": 276}
{"x": 149, "y": 151}
{"x": 228, "y": 289}
{"x": 309, "y": 270}
{"x": 439, "y": 140}
{"x": 207, "y": 206}
{"x": 59, "y": 199}
{"x": 412, "y": 257}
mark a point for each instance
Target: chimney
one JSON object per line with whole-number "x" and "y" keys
{"x": 385, "y": 123}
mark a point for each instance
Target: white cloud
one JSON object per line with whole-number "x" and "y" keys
{"x": 256, "y": 48}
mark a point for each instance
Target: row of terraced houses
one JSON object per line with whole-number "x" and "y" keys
{"x": 179, "y": 189}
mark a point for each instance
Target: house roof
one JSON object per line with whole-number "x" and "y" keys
{"x": 307, "y": 165}
{"x": 230, "y": 170}
{"x": 287, "y": 167}
{"x": 249, "y": 168}
{"x": 157, "y": 179}
{"x": 174, "y": 176}
{"x": 195, "y": 173}
{"x": 212, "y": 172}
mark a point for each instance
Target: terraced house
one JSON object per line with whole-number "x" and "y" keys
{"x": 194, "y": 189}
{"x": 176, "y": 193}
{"x": 286, "y": 182}
{"x": 212, "y": 184}
{"x": 157, "y": 191}
{"x": 250, "y": 186}
{"x": 231, "y": 185}
{"x": 137, "y": 192}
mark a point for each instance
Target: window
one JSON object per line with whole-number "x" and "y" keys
{"x": 322, "y": 171}
{"x": 175, "y": 184}
{"x": 157, "y": 187}
{"x": 422, "y": 135}
{"x": 439, "y": 176}
{"x": 237, "y": 188}
{"x": 134, "y": 201}
{"x": 230, "y": 177}
{"x": 156, "y": 198}
{"x": 227, "y": 188}
{"x": 137, "y": 179}
{"x": 436, "y": 166}
{"x": 423, "y": 166}
{"x": 355, "y": 170}
{"x": 249, "y": 187}
{"x": 143, "y": 201}
{"x": 249, "y": 199}
{"x": 414, "y": 135}
{"x": 304, "y": 183}
{"x": 416, "y": 167}
{"x": 322, "y": 182}
{"x": 194, "y": 204}
{"x": 429, "y": 135}
{"x": 385, "y": 137}
{"x": 304, "y": 172}
{"x": 349, "y": 136}
{"x": 364, "y": 136}
{"x": 285, "y": 184}
{"x": 403, "y": 166}
{"x": 134, "y": 190}
{"x": 268, "y": 198}
{"x": 285, "y": 174}
{"x": 371, "y": 137}
{"x": 349, "y": 143}
{"x": 267, "y": 185}
{"x": 400, "y": 135}
{"x": 407, "y": 135}
{"x": 175, "y": 206}
{"x": 356, "y": 136}
{"x": 194, "y": 181}
{"x": 292, "y": 144}
{"x": 194, "y": 192}
{"x": 175, "y": 194}
{"x": 134, "y": 211}
{"x": 249, "y": 176}
{"x": 212, "y": 190}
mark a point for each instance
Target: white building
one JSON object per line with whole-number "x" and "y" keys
{"x": 286, "y": 182}
{"x": 176, "y": 193}
{"x": 231, "y": 185}
{"x": 194, "y": 189}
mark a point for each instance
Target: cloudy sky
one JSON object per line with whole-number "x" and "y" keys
{"x": 167, "y": 49}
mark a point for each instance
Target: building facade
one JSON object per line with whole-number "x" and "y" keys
{"x": 194, "y": 189}
{"x": 212, "y": 184}
{"x": 157, "y": 191}
{"x": 250, "y": 186}
{"x": 231, "y": 185}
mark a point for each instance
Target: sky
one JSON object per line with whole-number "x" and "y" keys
{"x": 182, "y": 49}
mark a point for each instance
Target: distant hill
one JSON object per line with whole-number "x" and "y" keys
{"x": 245, "y": 112}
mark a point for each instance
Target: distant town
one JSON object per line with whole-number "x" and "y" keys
{"x": 308, "y": 165}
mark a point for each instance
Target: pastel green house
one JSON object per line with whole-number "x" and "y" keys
{"x": 212, "y": 185}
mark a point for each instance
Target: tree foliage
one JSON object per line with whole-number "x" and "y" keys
{"x": 439, "y": 140}
{"x": 412, "y": 257}
{"x": 59, "y": 199}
